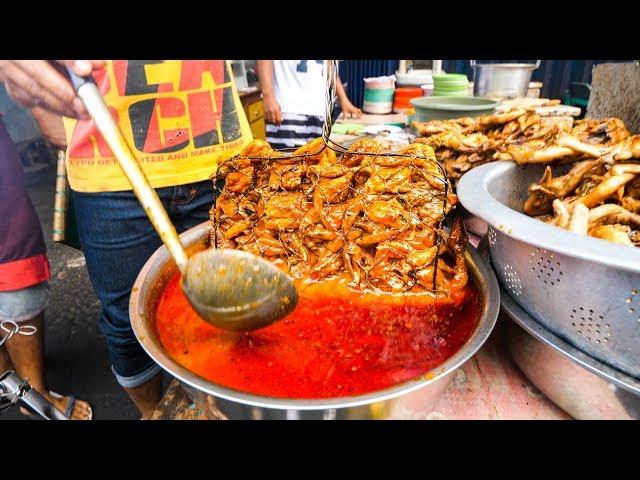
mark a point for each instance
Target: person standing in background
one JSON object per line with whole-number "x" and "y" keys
{"x": 293, "y": 94}
{"x": 24, "y": 283}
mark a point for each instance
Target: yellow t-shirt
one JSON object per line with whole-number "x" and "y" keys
{"x": 180, "y": 118}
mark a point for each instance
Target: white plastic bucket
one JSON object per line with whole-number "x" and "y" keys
{"x": 378, "y": 94}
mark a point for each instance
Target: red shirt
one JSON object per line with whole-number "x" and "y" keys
{"x": 23, "y": 257}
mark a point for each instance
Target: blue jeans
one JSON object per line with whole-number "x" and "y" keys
{"x": 117, "y": 239}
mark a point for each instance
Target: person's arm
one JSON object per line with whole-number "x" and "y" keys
{"x": 51, "y": 127}
{"x": 40, "y": 83}
{"x": 348, "y": 109}
{"x": 272, "y": 112}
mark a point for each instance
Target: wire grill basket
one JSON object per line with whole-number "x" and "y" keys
{"x": 417, "y": 167}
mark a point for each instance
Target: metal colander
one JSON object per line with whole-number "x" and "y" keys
{"x": 584, "y": 289}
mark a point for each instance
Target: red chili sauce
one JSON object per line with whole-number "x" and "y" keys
{"x": 335, "y": 343}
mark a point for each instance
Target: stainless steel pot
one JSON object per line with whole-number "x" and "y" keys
{"x": 409, "y": 400}
{"x": 502, "y": 80}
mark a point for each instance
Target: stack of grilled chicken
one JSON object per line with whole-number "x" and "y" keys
{"x": 600, "y": 194}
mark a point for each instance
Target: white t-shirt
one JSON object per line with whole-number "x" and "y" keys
{"x": 300, "y": 86}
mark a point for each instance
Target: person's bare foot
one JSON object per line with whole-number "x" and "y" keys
{"x": 81, "y": 409}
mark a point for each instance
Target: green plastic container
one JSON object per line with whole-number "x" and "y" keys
{"x": 451, "y": 92}
{"x": 450, "y": 79}
{"x": 451, "y": 89}
{"x": 450, "y": 85}
{"x": 459, "y": 93}
{"x": 446, "y": 108}
{"x": 453, "y": 85}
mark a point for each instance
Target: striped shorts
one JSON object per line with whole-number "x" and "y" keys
{"x": 294, "y": 131}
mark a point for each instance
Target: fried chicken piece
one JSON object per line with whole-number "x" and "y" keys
{"x": 613, "y": 233}
{"x": 419, "y": 259}
{"x": 562, "y": 216}
{"x": 389, "y": 180}
{"x": 334, "y": 190}
{"x": 579, "y": 221}
{"x": 455, "y": 142}
{"x": 604, "y": 190}
{"x": 561, "y": 124}
{"x": 576, "y": 145}
{"x": 269, "y": 246}
{"x": 389, "y": 213}
{"x": 612, "y": 213}
{"x": 258, "y": 148}
{"x": 366, "y": 146}
{"x": 604, "y": 132}
{"x": 542, "y": 194}
{"x": 631, "y": 204}
{"x": 625, "y": 168}
{"x": 285, "y": 205}
{"x": 457, "y": 243}
{"x": 236, "y": 229}
{"x": 433, "y": 127}
{"x": 287, "y": 176}
{"x": 316, "y": 151}
{"x": 488, "y": 121}
{"x": 238, "y": 182}
{"x": 525, "y": 155}
{"x": 328, "y": 263}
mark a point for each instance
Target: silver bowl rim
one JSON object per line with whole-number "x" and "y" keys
{"x": 544, "y": 335}
{"x": 489, "y": 291}
{"x": 531, "y": 66}
{"x": 473, "y": 193}
{"x": 489, "y": 104}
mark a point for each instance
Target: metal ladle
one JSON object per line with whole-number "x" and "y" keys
{"x": 231, "y": 289}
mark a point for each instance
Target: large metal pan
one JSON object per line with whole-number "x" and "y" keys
{"x": 584, "y": 289}
{"x": 412, "y": 399}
